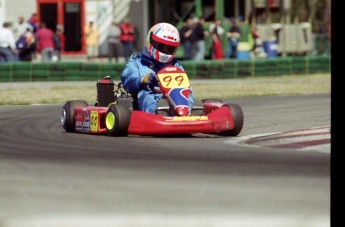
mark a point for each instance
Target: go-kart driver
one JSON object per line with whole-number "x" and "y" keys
{"x": 139, "y": 77}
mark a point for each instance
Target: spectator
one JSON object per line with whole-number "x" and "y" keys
{"x": 59, "y": 42}
{"x": 233, "y": 36}
{"x": 33, "y": 21}
{"x": 26, "y": 46}
{"x": 186, "y": 33}
{"x": 199, "y": 39}
{"x": 257, "y": 48}
{"x": 7, "y": 44}
{"x": 217, "y": 50}
{"x": 92, "y": 35}
{"x": 329, "y": 35}
{"x": 127, "y": 38}
{"x": 45, "y": 43}
{"x": 216, "y": 30}
{"x": 114, "y": 42}
{"x": 217, "y": 24}
{"x": 21, "y": 27}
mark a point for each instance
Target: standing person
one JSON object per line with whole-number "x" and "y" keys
{"x": 187, "y": 38}
{"x": 233, "y": 35}
{"x": 59, "y": 42}
{"x": 138, "y": 77}
{"x": 26, "y": 46}
{"x": 45, "y": 42}
{"x": 217, "y": 50}
{"x": 21, "y": 27}
{"x": 199, "y": 39}
{"x": 33, "y": 21}
{"x": 258, "y": 49}
{"x": 216, "y": 30}
{"x": 92, "y": 35}
{"x": 7, "y": 44}
{"x": 114, "y": 42}
{"x": 127, "y": 38}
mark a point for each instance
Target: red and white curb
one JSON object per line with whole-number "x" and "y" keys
{"x": 312, "y": 139}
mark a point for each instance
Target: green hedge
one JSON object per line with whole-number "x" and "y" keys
{"x": 208, "y": 69}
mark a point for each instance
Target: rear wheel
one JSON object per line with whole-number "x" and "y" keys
{"x": 67, "y": 114}
{"x": 117, "y": 120}
{"x": 237, "y": 115}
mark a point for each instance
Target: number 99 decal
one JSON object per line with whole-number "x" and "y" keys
{"x": 173, "y": 80}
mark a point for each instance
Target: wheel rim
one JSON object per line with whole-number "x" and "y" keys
{"x": 63, "y": 117}
{"x": 110, "y": 121}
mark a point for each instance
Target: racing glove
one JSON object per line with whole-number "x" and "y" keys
{"x": 149, "y": 78}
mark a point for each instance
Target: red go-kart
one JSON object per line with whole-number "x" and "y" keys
{"x": 116, "y": 114}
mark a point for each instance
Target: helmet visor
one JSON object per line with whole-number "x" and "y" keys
{"x": 164, "y": 48}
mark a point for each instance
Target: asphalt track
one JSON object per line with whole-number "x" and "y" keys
{"x": 52, "y": 178}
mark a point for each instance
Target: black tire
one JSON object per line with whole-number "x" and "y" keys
{"x": 67, "y": 114}
{"x": 196, "y": 111}
{"x": 117, "y": 120}
{"x": 237, "y": 115}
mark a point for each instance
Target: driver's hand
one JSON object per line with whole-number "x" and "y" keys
{"x": 149, "y": 78}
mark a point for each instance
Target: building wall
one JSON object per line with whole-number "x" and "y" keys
{"x": 103, "y": 12}
{"x": 2, "y": 11}
{"x": 16, "y": 8}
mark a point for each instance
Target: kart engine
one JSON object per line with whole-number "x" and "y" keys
{"x": 108, "y": 92}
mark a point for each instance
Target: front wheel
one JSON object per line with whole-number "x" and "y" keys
{"x": 67, "y": 114}
{"x": 237, "y": 115}
{"x": 117, "y": 120}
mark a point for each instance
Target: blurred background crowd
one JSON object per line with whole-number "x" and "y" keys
{"x": 111, "y": 30}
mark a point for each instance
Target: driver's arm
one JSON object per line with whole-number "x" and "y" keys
{"x": 131, "y": 77}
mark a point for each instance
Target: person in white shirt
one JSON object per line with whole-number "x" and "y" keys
{"x": 7, "y": 44}
{"x": 114, "y": 43}
{"x": 21, "y": 27}
{"x": 217, "y": 23}
{"x": 216, "y": 30}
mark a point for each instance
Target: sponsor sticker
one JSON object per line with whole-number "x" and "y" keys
{"x": 94, "y": 121}
{"x": 188, "y": 118}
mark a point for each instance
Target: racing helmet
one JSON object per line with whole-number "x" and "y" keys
{"x": 162, "y": 41}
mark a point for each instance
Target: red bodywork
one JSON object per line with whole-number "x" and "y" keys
{"x": 90, "y": 119}
{"x": 217, "y": 118}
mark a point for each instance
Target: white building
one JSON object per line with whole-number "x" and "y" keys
{"x": 10, "y": 10}
{"x": 102, "y": 12}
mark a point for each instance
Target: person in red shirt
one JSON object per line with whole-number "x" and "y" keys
{"x": 216, "y": 45}
{"x": 127, "y": 38}
{"x": 45, "y": 42}
{"x": 33, "y": 21}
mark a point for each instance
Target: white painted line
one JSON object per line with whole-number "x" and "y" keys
{"x": 241, "y": 139}
{"x": 155, "y": 220}
{"x": 308, "y": 131}
{"x": 269, "y": 139}
{"x": 273, "y": 140}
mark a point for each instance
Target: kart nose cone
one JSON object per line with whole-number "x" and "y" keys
{"x": 182, "y": 111}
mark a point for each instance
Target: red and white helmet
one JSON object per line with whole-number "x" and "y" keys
{"x": 162, "y": 42}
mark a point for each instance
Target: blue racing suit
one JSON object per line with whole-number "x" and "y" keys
{"x": 138, "y": 66}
